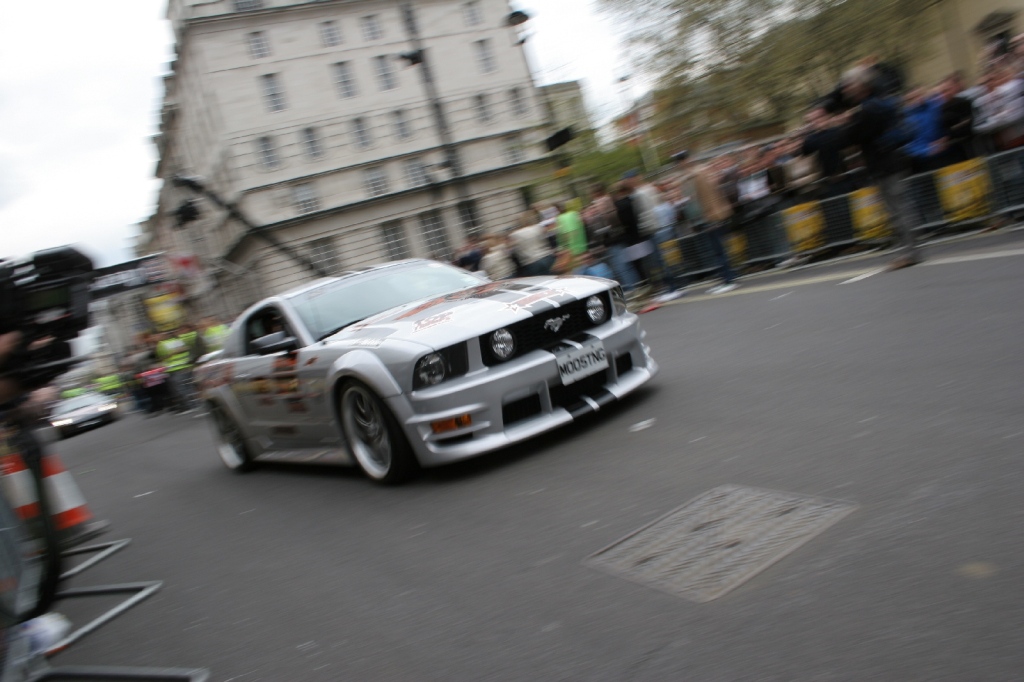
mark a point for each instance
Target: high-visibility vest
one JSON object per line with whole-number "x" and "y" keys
{"x": 214, "y": 336}
{"x": 174, "y": 353}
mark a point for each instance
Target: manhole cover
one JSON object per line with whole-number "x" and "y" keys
{"x": 719, "y": 540}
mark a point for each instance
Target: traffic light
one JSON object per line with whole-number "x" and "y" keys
{"x": 558, "y": 139}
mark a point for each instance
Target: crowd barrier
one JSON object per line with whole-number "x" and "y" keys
{"x": 849, "y": 213}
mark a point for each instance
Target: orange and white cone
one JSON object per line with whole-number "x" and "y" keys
{"x": 17, "y": 485}
{"x": 71, "y": 517}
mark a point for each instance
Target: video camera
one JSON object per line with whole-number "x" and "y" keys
{"x": 46, "y": 298}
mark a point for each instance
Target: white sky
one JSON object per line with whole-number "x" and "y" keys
{"x": 80, "y": 90}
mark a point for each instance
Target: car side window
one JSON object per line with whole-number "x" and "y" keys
{"x": 262, "y": 322}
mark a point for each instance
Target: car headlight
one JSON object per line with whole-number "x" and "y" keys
{"x": 595, "y": 309}
{"x": 503, "y": 344}
{"x": 430, "y": 370}
{"x": 63, "y": 422}
{"x": 618, "y": 301}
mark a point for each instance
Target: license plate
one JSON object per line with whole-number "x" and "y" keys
{"x": 581, "y": 363}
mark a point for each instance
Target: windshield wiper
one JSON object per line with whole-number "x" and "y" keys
{"x": 338, "y": 329}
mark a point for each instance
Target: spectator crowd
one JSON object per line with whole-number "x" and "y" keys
{"x": 872, "y": 130}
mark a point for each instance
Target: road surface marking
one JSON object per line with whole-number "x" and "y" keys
{"x": 863, "y": 275}
{"x": 968, "y": 257}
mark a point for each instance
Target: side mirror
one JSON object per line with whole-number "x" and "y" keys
{"x": 274, "y": 343}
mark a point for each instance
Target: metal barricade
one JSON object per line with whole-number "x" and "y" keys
{"x": 1006, "y": 173}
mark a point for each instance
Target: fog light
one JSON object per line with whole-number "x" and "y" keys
{"x": 503, "y": 344}
{"x": 595, "y": 309}
{"x": 445, "y": 425}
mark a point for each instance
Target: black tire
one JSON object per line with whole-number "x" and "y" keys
{"x": 373, "y": 435}
{"x": 230, "y": 442}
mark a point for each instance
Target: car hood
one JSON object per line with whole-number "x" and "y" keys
{"x": 442, "y": 321}
{"x": 79, "y": 414}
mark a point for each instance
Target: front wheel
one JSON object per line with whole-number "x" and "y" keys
{"x": 230, "y": 442}
{"x": 374, "y": 436}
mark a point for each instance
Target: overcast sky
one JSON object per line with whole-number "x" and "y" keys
{"x": 80, "y": 90}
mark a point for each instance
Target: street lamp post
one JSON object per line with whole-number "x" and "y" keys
{"x": 514, "y": 21}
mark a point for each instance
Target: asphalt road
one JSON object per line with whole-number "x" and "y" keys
{"x": 901, "y": 392}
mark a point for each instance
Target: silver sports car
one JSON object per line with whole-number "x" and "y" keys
{"x": 417, "y": 363}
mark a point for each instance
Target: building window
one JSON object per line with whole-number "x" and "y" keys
{"x": 344, "y": 80}
{"x": 472, "y": 14}
{"x": 385, "y": 73}
{"x": 360, "y": 133}
{"x": 323, "y": 254}
{"x": 513, "y": 149}
{"x": 485, "y": 56}
{"x": 415, "y": 172}
{"x": 468, "y": 219}
{"x": 273, "y": 94}
{"x": 330, "y": 34}
{"x": 483, "y": 109}
{"x": 375, "y": 179}
{"x": 432, "y": 226}
{"x": 259, "y": 47}
{"x": 403, "y": 131}
{"x": 267, "y": 153}
{"x": 393, "y": 233}
{"x": 517, "y": 102}
{"x": 246, "y": 5}
{"x": 311, "y": 143}
{"x": 304, "y": 198}
{"x": 371, "y": 27}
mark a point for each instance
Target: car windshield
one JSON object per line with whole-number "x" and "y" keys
{"x": 333, "y": 306}
{"x": 78, "y": 402}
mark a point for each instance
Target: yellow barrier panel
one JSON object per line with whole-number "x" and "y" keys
{"x": 671, "y": 253}
{"x": 870, "y": 219}
{"x": 736, "y": 246}
{"x": 964, "y": 190}
{"x": 805, "y": 226}
{"x": 165, "y": 312}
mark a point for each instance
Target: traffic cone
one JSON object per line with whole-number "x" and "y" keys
{"x": 17, "y": 485}
{"x": 71, "y": 517}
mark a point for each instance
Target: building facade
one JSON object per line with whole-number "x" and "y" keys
{"x": 963, "y": 29}
{"x": 348, "y": 132}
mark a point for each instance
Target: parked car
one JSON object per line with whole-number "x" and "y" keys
{"x": 417, "y": 363}
{"x": 83, "y": 412}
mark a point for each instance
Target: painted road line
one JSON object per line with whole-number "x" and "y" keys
{"x": 863, "y": 275}
{"x": 788, "y": 284}
{"x": 968, "y": 257}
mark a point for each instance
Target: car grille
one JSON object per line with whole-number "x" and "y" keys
{"x": 532, "y": 335}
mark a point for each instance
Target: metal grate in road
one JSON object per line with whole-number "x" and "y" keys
{"x": 718, "y": 540}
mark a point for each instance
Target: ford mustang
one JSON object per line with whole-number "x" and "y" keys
{"x": 417, "y": 363}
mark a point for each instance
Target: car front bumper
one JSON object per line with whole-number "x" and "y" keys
{"x": 522, "y": 398}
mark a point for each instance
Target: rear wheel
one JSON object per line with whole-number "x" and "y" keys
{"x": 373, "y": 435}
{"x": 230, "y": 442}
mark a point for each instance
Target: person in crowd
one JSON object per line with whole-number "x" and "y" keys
{"x": 665, "y": 240}
{"x": 645, "y": 198}
{"x": 1001, "y": 110}
{"x": 632, "y": 252}
{"x": 922, "y": 112}
{"x": 707, "y": 210}
{"x": 591, "y": 264}
{"x": 873, "y": 127}
{"x": 825, "y": 143}
{"x": 530, "y": 246}
{"x": 571, "y": 236}
{"x": 470, "y": 254}
{"x": 214, "y": 333}
{"x": 603, "y": 217}
{"x": 497, "y": 263}
{"x": 956, "y": 122}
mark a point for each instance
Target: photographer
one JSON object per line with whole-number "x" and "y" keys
{"x": 874, "y": 125}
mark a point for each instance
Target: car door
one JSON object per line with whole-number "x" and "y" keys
{"x": 260, "y": 379}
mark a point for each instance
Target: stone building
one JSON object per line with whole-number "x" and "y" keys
{"x": 347, "y": 131}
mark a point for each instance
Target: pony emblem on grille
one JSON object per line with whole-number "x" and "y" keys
{"x": 555, "y": 323}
